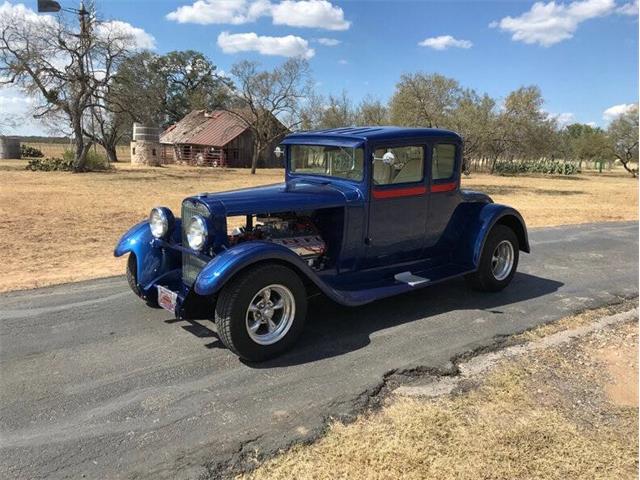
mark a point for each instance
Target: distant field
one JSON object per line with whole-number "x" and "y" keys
{"x": 57, "y": 149}
{"x": 59, "y": 227}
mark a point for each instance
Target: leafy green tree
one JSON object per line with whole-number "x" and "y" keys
{"x": 585, "y": 143}
{"x": 162, "y": 89}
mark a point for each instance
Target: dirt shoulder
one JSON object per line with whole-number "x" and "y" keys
{"x": 564, "y": 406}
{"x": 58, "y": 227}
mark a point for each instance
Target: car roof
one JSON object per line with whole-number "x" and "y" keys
{"x": 378, "y": 133}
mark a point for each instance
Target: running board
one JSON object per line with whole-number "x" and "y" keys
{"x": 410, "y": 279}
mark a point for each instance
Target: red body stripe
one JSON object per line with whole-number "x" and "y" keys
{"x": 411, "y": 191}
{"x": 444, "y": 187}
{"x": 399, "y": 192}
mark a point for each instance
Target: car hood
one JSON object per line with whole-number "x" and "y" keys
{"x": 297, "y": 194}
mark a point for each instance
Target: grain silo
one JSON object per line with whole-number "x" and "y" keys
{"x": 9, "y": 147}
{"x": 145, "y": 147}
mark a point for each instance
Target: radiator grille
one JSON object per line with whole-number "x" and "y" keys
{"x": 191, "y": 264}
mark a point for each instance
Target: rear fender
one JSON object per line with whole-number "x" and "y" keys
{"x": 479, "y": 226}
{"x": 227, "y": 264}
{"x": 151, "y": 262}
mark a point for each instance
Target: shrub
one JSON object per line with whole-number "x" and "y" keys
{"x": 546, "y": 167}
{"x": 49, "y": 165}
{"x": 30, "y": 152}
{"x": 95, "y": 160}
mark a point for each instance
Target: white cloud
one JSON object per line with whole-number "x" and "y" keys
{"x": 141, "y": 39}
{"x": 207, "y": 12}
{"x": 615, "y": 111}
{"x": 309, "y": 13}
{"x": 630, "y": 8}
{"x": 563, "y": 119}
{"x": 592, "y": 124}
{"x": 445, "y": 41}
{"x": 16, "y": 113}
{"x": 294, "y": 13}
{"x": 328, "y": 42}
{"x": 288, "y": 46}
{"x": 342, "y": 61}
{"x": 19, "y": 13}
{"x": 549, "y": 23}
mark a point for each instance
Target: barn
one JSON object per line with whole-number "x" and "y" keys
{"x": 217, "y": 138}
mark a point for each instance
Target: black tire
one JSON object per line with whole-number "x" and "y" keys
{"x": 484, "y": 279}
{"x": 132, "y": 280}
{"x": 233, "y": 303}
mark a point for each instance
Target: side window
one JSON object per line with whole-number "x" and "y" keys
{"x": 398, "y": 165}
{"x": 444, "y": 161}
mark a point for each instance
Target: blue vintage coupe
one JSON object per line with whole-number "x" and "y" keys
{"x": 363, "y": 214}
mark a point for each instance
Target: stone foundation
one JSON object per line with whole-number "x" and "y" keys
{"x": 145, "y": 153}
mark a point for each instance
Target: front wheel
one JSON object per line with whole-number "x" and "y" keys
{"x": 498, "y": 261}
{"x": 261, "y": 312}
{"x": 132, "y": 280}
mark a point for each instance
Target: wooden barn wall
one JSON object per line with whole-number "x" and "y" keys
{"x": 240, "y": 149}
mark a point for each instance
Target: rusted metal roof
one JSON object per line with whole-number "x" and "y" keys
{"x": 214, "y": 129}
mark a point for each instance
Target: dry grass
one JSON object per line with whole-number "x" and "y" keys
{"x": 565, "y": 412}
{"x": 57, "y": 149}
{"x": 549, "y": 201}
{"x": 58, "y": 227}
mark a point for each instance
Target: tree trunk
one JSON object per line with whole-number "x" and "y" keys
{"x": 254, "y": 157}
{"x": 493, "y": 165}
{"x": 112, "y": 155}
{"x": 625, "y": 163}
{"x": 80, "y": 160}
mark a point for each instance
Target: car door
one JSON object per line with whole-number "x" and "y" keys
{"x": 398, "y": 204}
{"x": 444, "y": 197}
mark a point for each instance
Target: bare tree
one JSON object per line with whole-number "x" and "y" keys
{"x": 68, "y": 69}
{"x": 265, "y": 98}
{"x": 424, "y": 100}
{"x": 623, "y": 133}
{"x": 371, "y": 111}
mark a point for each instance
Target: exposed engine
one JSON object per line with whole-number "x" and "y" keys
{"x": 297, "y": 233}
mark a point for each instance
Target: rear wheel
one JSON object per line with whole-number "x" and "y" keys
{"x": 498, "y": 261}
{"x": 132, "y": 280}
{"x": 261, "y": 312}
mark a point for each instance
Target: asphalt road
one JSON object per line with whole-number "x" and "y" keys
{"x": 95, "y": 384}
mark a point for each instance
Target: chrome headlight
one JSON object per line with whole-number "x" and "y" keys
{"x": 160, "y": 221}
{"x": 197, "y": 232}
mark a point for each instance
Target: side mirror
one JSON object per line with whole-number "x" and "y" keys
{"x": 389, "y": 158}
{"x": 279, "y": 152}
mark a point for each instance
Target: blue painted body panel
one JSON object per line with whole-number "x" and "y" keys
{"x": 437, "y": 235}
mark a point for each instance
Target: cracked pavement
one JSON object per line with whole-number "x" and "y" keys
{"x": 96, "y": 384}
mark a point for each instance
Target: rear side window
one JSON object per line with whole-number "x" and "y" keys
{"x": 444, "y": 161}
{"x": 393, "y": 165}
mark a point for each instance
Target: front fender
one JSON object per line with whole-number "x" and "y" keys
{"x": 151, "y": 261}
{"x": 481, "y": 224}
{"x": 225, "y": 265}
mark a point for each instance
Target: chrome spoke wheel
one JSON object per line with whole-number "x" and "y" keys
{"x": 502, "y": 260}
{"x": 270, "y": 314}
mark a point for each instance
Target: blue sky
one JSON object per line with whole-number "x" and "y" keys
{"x": 582, "y": 54}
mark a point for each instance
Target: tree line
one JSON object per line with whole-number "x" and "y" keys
{"x": 92, "y": 82}
{"x": 516, "y": 129}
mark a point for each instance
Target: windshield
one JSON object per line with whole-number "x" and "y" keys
{"x": 342, "y": 162}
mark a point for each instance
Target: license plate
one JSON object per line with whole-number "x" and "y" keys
{"x": 167, "y": 299}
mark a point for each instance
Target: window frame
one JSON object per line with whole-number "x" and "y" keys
{"x": 294, "y": 173}
{"x": 408, "y": 186}
{"x": 456, "y": 160}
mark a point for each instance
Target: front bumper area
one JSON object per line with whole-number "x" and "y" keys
{"x": 188, "y": 303}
